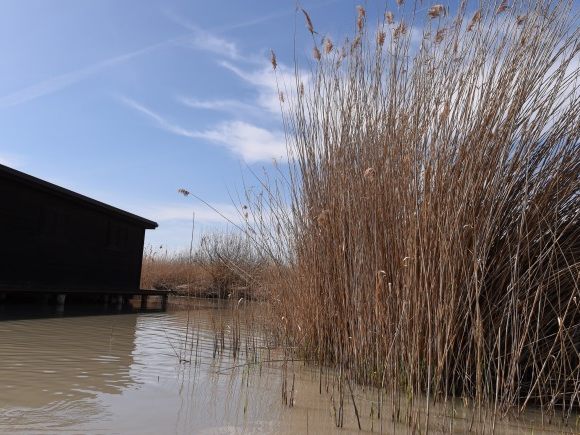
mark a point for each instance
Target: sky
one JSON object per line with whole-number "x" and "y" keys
{"x": 127, "y": 101}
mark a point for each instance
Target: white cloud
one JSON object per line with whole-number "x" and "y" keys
{"x": 246, "y": 140}
{"x": 266, "y": 83}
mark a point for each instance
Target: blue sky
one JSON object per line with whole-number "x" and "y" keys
{"x": 128, "y": 100}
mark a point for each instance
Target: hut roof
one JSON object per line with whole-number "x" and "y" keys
{"x": 42, "y": 185}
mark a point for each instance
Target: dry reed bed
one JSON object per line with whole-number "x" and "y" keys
{"x": 224, "y": 265}
{"x": 433, "y": 239}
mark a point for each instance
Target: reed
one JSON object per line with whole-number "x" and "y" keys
{"x": 223, "y": 265}
{"x": 427, "y": 238}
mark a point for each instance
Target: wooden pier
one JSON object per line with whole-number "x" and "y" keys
{"x": 118, "y": 299}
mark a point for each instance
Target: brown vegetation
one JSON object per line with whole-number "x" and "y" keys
{"x": 224, "y": 265}
{"x": 433, "y": 242}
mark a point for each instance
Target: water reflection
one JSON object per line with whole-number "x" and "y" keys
{"x": 52, "y": 369}
{"x": 171, "y": 372}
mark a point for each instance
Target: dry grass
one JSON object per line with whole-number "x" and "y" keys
{"x": 433, "y": 241}
{"x": 224, "y": 265}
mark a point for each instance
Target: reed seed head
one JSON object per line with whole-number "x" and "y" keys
{"x": 323, "y": 218}
{"x": 502, "y": 7}
{"x": 183, "y": 192}
{"x": 308, "y": 22}
{"x": 436, "y": 11}
{"x": 389, "y": 17}
{"x": 355, "y": 44}
{"x": 369, "y": 174}
{"x": 381, "y": 35}
{"x": 474, "y": 20}
{"x": 400, "y": 30}
{"x": 360, "y": 21}
{"x": 445, "y": 112}
{"x": 316, "y": 53}
{"x": 440, "y": 35}
{"x": 273, "y": 60}
{"x": 328, "y": 45}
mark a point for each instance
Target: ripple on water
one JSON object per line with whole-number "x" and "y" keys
{"x": 122, "y": 374}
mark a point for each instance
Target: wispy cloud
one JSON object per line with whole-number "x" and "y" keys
{"x": 251, "y": 142}
{"x": 246, "y": 140}
{"x": 204, "y": 40}
{"x": 57, "y": 83}
{"x": 265, "y": 83}
{"x": 208, "y": 42}
{"x": 196, "y": 38}
{"x": 222, "y": 105}
{"x": 290, "y": 10}
{"x": 159, "y": 120}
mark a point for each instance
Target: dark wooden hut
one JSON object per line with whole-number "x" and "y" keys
{"x": 56, "y": 240}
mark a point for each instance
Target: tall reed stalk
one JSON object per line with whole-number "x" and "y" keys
{"x": 432, "y": 242}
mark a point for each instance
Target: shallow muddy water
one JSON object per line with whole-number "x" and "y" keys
{"x": 197, "y": 371}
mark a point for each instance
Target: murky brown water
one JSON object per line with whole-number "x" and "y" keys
{"x": 123, "y": 374}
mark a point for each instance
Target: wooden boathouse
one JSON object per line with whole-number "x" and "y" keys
{"x": 56, "y": 241}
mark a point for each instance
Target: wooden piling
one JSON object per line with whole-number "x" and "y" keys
{"x": 143, "y": 302}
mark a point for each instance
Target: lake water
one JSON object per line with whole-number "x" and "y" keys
{"x": 196, "y": 371}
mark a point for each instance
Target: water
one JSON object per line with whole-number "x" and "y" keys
{"x": 151, "y": 373}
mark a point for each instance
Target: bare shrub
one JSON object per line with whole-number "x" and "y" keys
{"x": 225, "y": 264}
{"x": 231, "y": 261}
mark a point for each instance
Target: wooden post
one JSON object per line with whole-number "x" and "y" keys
{"x": 60, "y": 300}
{"x": 119, "y": 302}
{"x": 143, "y": 302}
{"x": 164, "y": 301}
